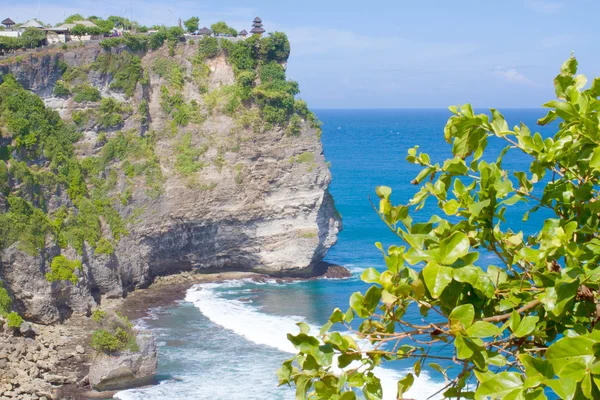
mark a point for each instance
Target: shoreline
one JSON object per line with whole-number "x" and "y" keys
{"x": 164, "y": 291}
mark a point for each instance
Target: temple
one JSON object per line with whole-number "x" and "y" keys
{"x": 257, "y": 27}
{"x": 8, "y": 23}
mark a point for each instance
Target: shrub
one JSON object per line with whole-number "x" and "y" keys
{"x": 63, "y": 269}
{"x": 116, "y": 333}
{"x": 85, "y": 92}
{"x": 98, "y": 315}
{"x": 60, "y": 89}
{"x": 208, "y": 47}
{"x": 275, "y": 47}
{"x": 306, "y": 157}
{"x": 136, "y": 42}
{"x": 124, "y": 68}
{"x": 187, "y": 162}
{"x": 109, "y": 43}
{"x": 104, "y": 246}
{"x": 157, "y": 39}
{"x": 14, "y": 320}
{"x": 170, "y": 70}
{"x": 5, "y": 301}
{"x": 294, "y": 126}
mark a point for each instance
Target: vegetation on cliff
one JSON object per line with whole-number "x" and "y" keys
{"x": 37, "y": 163}
{"x": 115, "y": 334}
{"x": 520, "y": 330}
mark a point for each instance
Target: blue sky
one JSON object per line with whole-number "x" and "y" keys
{"x": 393, "y": 53}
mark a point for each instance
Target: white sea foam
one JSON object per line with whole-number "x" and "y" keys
{"x": 249, "y": 322}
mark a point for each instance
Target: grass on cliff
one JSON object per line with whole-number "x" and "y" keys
{"x": 188, "y": 156}
{"x": 124, "y": 68}
{"x": 38, "y": 163}
{"x": 260, "y": 79}
{"x": 115, "y": 334}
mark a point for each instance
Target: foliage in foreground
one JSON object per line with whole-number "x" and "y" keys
{"x": 116, "y": 333}
{"x": 517, "y": 330}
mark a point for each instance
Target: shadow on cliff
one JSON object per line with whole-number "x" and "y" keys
{"x": 215, "y": 247}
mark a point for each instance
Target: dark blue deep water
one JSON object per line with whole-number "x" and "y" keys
{"x": 227, "y": 340}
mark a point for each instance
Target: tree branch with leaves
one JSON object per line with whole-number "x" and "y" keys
{"x": 515, "y": 330}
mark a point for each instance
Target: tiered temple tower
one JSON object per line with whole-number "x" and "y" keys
{"x": 257, "y": 27}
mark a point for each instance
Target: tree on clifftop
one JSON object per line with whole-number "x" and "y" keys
{"x": 191, "y": 25}
{"x": 221, "y": 28}
{"x": 519, "y": 330}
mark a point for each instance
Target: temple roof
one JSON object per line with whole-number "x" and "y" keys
{"x": 257, "y": 30}
{"x": 32, "y": 23}
{"x": 205, "y": 31}
{"x": 8, "y": 21}
{"x": 257, "y": 19}
{"x": 243, "y": 32}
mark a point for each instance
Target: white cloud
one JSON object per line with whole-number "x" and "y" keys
{"x": 544, "y": 6}
{"x": 511, "y": 75}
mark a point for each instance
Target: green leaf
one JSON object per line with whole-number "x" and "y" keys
{"x": 453, "y": 248}
{"x": 370, "y": 275}
{"x": 384, "y": 192}
{"x": 482, "y": 329}
{"x": 336, "y": 316}
{"x": 527, "y": 326}
{"x": 499, "y": 386}
{"x": 356, "y": 302}
{"x": 536, "y": 367}
{"x": 436, "y": 278}
{"x": 451, "y": 207}
{"x": 372, "y": 298}
{"x": 304, "y": 328}
{"x": 405, "y": 384}
{"x": 564, "y": 388}
{"x": 303, "y": 384}
{"x": 285, "y": 373}
{"x": 464, "y": 313}
{"x": 569, "y": 349}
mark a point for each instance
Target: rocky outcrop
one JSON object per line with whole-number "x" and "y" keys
{"x": 127, "y": 369}
{"x": 32, "y": 367}
{"x": 259, "y": 202}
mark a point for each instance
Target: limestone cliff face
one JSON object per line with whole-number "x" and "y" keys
{"x": 259, "y": 202}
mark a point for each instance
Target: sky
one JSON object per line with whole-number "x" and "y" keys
{"x": 392, "y": 53}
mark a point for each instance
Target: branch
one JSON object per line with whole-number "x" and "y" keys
{"x": 504, "y": 317}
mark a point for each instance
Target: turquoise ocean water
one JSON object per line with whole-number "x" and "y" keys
{"x": 227, "y": 340}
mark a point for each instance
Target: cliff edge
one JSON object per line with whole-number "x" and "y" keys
{"x": 191, "y": 156}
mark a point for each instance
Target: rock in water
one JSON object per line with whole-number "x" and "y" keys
{"x": 125, "y": 370}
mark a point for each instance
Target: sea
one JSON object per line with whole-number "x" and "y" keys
{"x": 225, "y": 341}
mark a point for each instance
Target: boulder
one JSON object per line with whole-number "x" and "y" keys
{"x": 28, "y": 330}
{"x": 125, "y": 370}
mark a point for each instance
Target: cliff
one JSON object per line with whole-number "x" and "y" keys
{"x": 185, "y": 161}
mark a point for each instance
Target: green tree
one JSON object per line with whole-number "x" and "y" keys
{"x": 222, "y": 28}
{"x": 105, "y": 26}
{"x": 516, "y": 329}
{"x": 63, "y": 269}
{"x": 191, "y": 24}
{"x": 72, "y": 18}
{"x": 79, "y": 30}
{"x": 33, "y": 37}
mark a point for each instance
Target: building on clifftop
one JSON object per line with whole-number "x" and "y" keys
{"x": 257, "y": 27}
{"x": 205, "y": 32}
{"x": 8, "y": 23}
{"x": 243, "y": 33}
